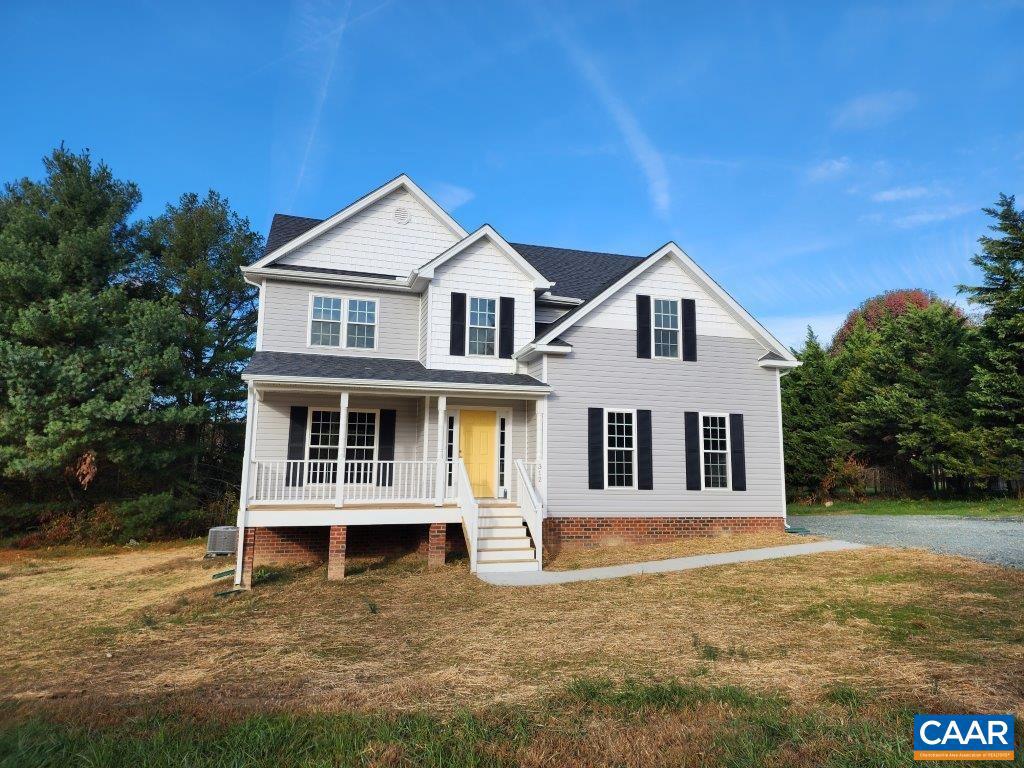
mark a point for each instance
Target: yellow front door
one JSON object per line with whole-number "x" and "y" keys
{"x": 476, "y": 447}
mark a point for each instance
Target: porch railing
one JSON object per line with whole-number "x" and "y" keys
{"x": 531, "y": 506}
{"x": 287, "y": 481}
{"x": 469, "y": 511}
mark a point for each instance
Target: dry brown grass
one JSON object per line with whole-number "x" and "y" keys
{"x": 570, "y": 560}
{"x": 144, "y": 626}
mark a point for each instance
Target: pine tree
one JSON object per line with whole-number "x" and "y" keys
{"x": 997, "y": 391}
{"x": 83, "y": 358}
{"x": 193, "y": 254}
{"x": 814, "y": 436}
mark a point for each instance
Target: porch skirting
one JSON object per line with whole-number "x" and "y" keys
{"x": 584, "y": 532}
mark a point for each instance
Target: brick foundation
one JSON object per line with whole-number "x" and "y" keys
{"x": 436, "y": 545}
{"x": 336, "y": 553}
{"x": 583, "y": 532}
{"x": 289, "y": 546}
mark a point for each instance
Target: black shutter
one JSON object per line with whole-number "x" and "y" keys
{"x": 298, "y": 417}
{"x": 595, "y": 447}
{"x": 506, "y": 333}
{"x": 643, "y": 326}
{"x": 739, "y": 461}
{"x": 691, "y": 430}
{"x": 644, "y": 458}
{"x": 457, "y": 345}
{"x": 386, "y": 449}
{"x": 689, "y": 329}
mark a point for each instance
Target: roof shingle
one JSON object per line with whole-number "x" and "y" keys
{"x": 308, "y": 365}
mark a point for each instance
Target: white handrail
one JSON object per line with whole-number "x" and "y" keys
{"x": 365, "y": 481}
{"x": 470, "y": 512}
{"x": 532, "y": 509}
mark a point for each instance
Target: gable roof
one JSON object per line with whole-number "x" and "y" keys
{"x": 673, "y": 251}
{"x": 399, "y": 182}
{"x": 576, "y": 274}
{"x": 540, "y": 282}
{"x": 285, "y": 228}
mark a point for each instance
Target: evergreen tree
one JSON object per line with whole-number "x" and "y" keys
{"x": 193, "y": 254}
{"x": 811, "y": 415}
{"x": 82, "y": 355}
{"x": 997, "y": 391}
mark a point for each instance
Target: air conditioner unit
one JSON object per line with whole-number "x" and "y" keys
{"x": 222, "y": 540}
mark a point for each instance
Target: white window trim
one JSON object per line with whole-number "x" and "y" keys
{"x": 343, "y": 336}
{"x": 728, "y": 451}
{"x": 604, "y": 438}
{"x": 679, "y": 331}
{"x": 497, "y": 323}
{"x": 341, "y": 448}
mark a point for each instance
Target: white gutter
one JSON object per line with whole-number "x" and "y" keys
{"x": 442, "y": 386}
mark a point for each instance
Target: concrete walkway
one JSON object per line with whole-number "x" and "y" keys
{"x": 538, "y": 578}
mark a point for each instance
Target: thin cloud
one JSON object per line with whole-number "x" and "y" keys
{"x": 645, "y": 154}
{"x": 932, "y": 217}
{"x": 451, "y": 196}
{"x": 897, "y": 194}
{"x": 334, "y": 43}
{"x": 828, "y": 170}
{"x": 873, "y": 109}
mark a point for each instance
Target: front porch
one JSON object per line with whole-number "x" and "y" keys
{"x": 333, "y": 458}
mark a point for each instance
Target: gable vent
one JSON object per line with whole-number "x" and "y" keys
{"x": 402, "y": 215}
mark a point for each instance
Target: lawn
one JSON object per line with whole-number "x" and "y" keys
{"x": 975, "y": 508}
{"x": 597, "y": 557}
{"x": 128, "y": 658}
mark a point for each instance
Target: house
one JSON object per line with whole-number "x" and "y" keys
{"x": 410, "y": 372}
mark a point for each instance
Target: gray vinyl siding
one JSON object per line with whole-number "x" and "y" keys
{"x": 603, "y": 371}
{"x": 286, "y": 320}
{"x": 271, "y": 441}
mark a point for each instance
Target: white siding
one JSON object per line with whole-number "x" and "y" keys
{"x": 665, "y": 279}
{"x": 483, "y": 271}
{"x": 373, "y": 241}
{"x": 603, "y": 372}
{"x": 286, "y": 320}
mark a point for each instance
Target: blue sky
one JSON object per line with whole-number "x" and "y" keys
{"x": 807, "y": 155}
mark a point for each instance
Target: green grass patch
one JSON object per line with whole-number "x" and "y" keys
{"x": 594, "y": 722}
{"x": 971, "y": 508}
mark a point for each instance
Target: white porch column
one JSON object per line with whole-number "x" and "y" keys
{"x": 339, "y": 480}
{"x": 442, "y": 407}
{"x": 243, "y": 490}
{"x": 541, "y": 423}
{"x": 425, "y": 490}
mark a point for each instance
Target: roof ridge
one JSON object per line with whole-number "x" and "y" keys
{"x": 576, "y": 250}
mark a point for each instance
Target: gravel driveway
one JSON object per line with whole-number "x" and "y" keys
{"x": 999, "y": 541}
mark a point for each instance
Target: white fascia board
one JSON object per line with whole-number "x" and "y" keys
{"x": 673, "y": 251}
{"x": 379, "y": 384}
{"x": 540, "y": 283}
{"x": 558, "y": 301}
{"x": 784, "y": 365}
{"x": 531, "y": 350}
{"x": 360, "y": 205}
{"x": 397, "y": 284}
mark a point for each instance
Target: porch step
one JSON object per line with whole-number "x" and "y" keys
{"x": 501, "y": 532}
{"x": 507, "y": 542}
{"x": 513, "y": 554}
{"x": 507, "y": 566}
{"x": 488, "y": 521}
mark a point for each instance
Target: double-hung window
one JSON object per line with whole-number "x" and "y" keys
{"x": 666, "y": 328}
{"x": 715, "y": 450}
{"x": 325, "y": 326}
{"x": 360, "y": 446}
{"x": 362, "y": 324}
{"x": 324, "y": 432}
{"x": 620, "y": 449}
{"x": 482, "y": 324}
{"x": 343, "y": 323}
